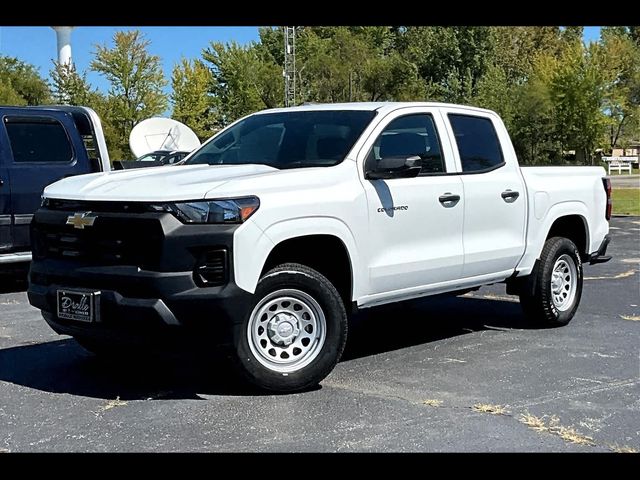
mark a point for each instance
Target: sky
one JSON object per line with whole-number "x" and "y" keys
{"x": 37, "y": 45}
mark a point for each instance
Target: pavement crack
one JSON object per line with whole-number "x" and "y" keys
{"x": 604, "y": 387}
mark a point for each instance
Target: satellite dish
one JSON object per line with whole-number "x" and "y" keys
{"x": 159, "y": 133}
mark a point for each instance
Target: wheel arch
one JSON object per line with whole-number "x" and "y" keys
{"x": 310, "y": 241}
{"x": 562, "y": 219}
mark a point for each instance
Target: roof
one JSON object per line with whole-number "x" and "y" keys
{"x": 370, "y": 106}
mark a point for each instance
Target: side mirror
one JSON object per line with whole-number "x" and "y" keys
{"x": 395, "y": 167}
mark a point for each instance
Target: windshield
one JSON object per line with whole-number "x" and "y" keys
{"x": 314, "y": 138}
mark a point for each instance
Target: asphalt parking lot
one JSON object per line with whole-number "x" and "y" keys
{"x": 442, "y": 374}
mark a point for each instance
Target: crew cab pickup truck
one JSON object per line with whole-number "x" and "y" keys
{"x": 273, "y": 231}
{"x": 38, "y": 146}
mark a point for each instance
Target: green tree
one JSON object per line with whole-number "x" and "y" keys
{"x": 244, "y": 79}
{"x": 69, "y": 87}
{"x": 618, "y": 58}
{"x": 8, "y": 95}
{"x": 136, "y": 82}
{"x": 577, "y": 89}
{"x": 452, "y": 59}
{"x": 192, "y": 104}
{"x": 21, "y": 84}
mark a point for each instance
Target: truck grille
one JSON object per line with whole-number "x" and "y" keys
{"x": 111, "y": 241}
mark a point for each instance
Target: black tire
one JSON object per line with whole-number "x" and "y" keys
{"x": 292, "y": 276}
{"x": 539, "y": 307}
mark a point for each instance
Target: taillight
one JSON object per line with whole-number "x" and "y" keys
{"x": 607, "y": 188}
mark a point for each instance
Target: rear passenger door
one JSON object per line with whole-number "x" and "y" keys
{"x": 44, "y": 147}
{"x": 494, "y": 193}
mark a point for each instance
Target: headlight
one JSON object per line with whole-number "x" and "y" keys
{"x": 230, "y": 210}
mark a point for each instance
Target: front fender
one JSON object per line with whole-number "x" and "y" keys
{"x": 252, "y": 246}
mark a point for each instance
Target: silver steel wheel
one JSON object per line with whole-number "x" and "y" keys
{"x": 286, "y": 330}
{"x": 564, "y": 282}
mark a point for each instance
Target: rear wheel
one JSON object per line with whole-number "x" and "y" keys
{"x": 558, "y": 284}
{"x": 295, "y": 333}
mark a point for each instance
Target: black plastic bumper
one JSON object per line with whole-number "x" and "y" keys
{"x": 600, "y": 255}
{"x": 136, "y": 300}
{"x": 176, "y": 301}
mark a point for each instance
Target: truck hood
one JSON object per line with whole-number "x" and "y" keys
{"x": 170, "y": 183}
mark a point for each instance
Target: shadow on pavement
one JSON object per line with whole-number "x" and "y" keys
{"x": 14, "y": 279}
{"x": 402, "y": 325}
{"x": 62, "y": 366}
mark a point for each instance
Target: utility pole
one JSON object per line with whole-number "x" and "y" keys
{"x": 289, "y": 72}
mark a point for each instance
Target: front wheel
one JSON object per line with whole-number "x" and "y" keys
{"x": 558, "y": 284}
{"x": 295, "y": 333}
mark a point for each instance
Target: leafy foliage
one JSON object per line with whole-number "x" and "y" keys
{"x": 21, "y": 84}
{"x": 192, "y": 104}
{"x": 136, "y": 83}
{"x": 561, "y": 100}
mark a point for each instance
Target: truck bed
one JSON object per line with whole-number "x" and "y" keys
{"x": 554, "y": 191}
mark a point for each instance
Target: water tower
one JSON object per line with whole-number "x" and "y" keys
{"x": 63, "y": 35}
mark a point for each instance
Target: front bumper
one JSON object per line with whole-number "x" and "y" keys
{"x": 159, "y": 295}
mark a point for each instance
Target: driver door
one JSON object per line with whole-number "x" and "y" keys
{"x": 415, "y": 224}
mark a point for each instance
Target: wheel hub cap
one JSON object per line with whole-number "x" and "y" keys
{"x": 286, "y": 330}
{"x": 283, "y": 329}
{"x": 564, "y": 280}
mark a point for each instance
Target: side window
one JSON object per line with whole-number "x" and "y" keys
{"x": 409, "y": 136}
{"x": 37, "y": 140}
{"x": 477, "y": 141}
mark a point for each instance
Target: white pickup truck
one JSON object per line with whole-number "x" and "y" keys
{"x": 273, "y": 231}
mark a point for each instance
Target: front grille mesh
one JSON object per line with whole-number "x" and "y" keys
{"x": 111, "y": 241}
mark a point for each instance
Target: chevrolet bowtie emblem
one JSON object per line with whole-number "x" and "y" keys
{"x": 81, "y": 220}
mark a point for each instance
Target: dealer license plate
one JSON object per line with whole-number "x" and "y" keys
{"x": 78, "y": 306}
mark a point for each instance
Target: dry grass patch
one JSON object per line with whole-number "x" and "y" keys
{"x": 113, "y": 404}
{"x": 531, "y": 421}
{"x": 568, "y": 434}
{"x": 488, "y": 408}
{"x": 432, "y": 402}
{"x": 622, "y": 449}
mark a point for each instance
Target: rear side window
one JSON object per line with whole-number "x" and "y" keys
{"x": 38, "y": 140}
{"x": 477, "y": 142}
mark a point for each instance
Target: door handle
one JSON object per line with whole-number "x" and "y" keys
{"x": 448, "y": 199}
{"x": 509, "y": 196}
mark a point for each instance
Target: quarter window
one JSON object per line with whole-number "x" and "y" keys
{"x": 408, "y": 136}
{"x": 477, "y": 143}
{"x": 38, "y": 140}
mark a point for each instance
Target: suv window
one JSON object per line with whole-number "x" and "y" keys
{"x": 477, "y": 142}
{"x": 38, "y": 140}
{"x": 409, "y": 136}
